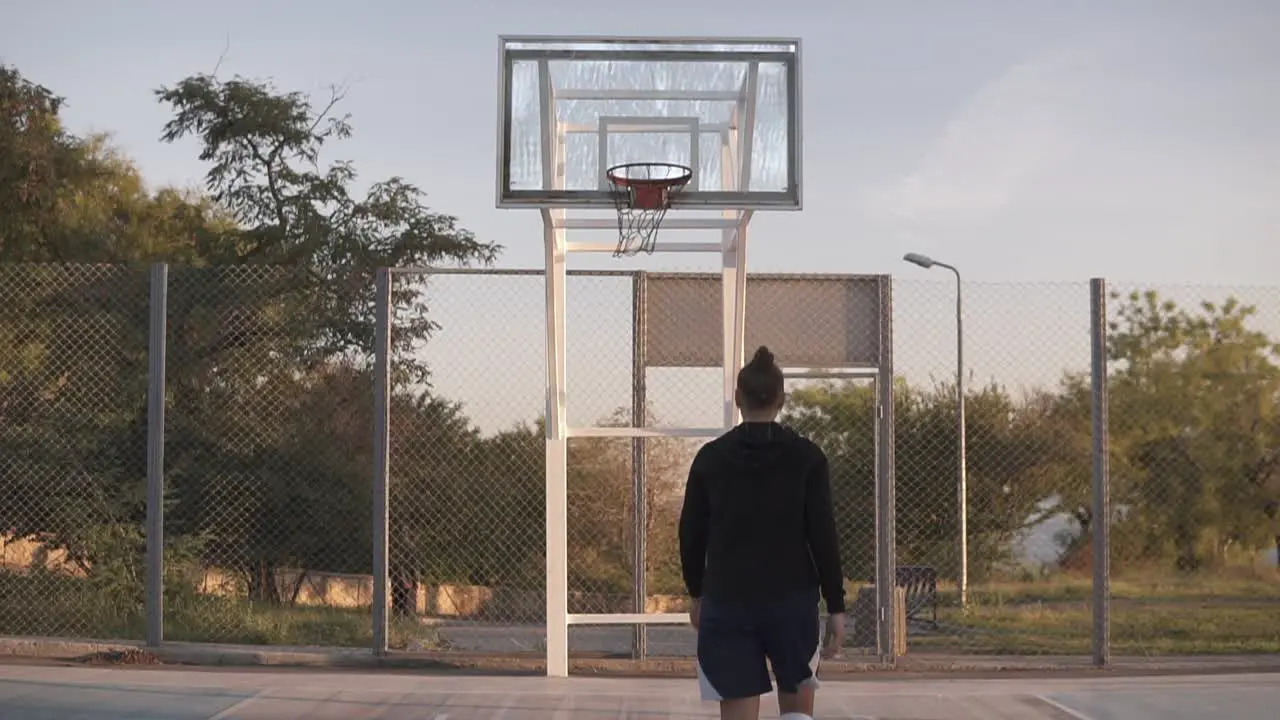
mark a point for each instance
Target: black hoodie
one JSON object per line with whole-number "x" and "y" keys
{"x": 757, "y": 522}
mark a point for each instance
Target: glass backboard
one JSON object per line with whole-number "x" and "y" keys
{"x": 571, "y": 108}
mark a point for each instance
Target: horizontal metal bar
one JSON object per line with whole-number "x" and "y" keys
{"x": 818, "y": 277}
{"x": 630, "y": 619}
{"x": 684, "y": 121}
{"x": 624, "y": 94}
{"x": 703, "y": 200}
{"x": 641, "y": 40}
{"x": 427, "y": 270}
{"x": 828, "y": 277}
{"x": 608, "y": 247}
{"x": 639, "y": 127}
{"x": 523, "y": 272}
{"x": 844, "y": 374}
{"x": 651, "y": 432}
{"x": 669, "y": 223}
{"x": 709, "y": 56}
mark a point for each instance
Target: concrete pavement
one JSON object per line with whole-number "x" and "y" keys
{"x": 69, "y": 693}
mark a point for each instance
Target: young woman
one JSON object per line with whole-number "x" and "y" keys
{"x": 759, "y": 550}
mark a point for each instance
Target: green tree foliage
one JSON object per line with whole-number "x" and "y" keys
{"x": 1195, "y": 430}
{"x": 601, "y": 512}
{"x": 270, "y": 325}
{"x": 1009, "y": 468}
{"x": 264, "y": 148}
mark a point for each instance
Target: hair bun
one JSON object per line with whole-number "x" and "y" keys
{"x": 763, "y": 358}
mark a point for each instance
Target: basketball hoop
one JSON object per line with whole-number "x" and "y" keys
{"x": 642, "y": 194}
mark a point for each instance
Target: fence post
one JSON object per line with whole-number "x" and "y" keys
{"x": 886, "y": 487}
{"x": 1101, "y": 476}
{"x": 158, "y": 323}
{"x": 381, "y": 456}
{"x": 639, "y": 413}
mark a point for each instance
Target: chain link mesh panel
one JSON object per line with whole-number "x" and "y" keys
{"x": 840, "y": 416}
{"x": 73, "y": 424}
{"x": 1194, "y": 393}
{"x": 1026, "y": 362}
{"x": 268, "y": 462}
{"x": 467, "y": 467}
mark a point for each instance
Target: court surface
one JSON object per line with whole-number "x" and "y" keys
{"x": 36, "y": 692}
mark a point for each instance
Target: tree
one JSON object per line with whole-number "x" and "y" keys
{"x": 270, "y": 326}
{"x": 237, "y": 328}
{"x": 601, "y": 511}
{"x": 264, "y": 147}
{"x": 39, "y": 163}
{"x": 1196, "y": 432}
{"x": 1009, "y": 470}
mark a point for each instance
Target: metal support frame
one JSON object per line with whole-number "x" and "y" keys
{"x": 559, "y": 619}
{"x": 558, "y": 431}
{"x": 736, "y": 158}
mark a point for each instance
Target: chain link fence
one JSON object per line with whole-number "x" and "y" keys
{"x": 269, "y": 463}
{"x": 1195, "y": 469}
{"x": 1027, "y": 461}
{"x": 73, "y": 380}
{"x": 840, "y": 416}
{"x": 466, "y": 479}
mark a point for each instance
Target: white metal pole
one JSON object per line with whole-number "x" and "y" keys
{"x": 729, "y": 270}
{"x": 557, "y": 456}
{"x": 740, "y": 295}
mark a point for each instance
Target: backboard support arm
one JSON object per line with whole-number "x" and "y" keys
{"x": 732, "y": 250}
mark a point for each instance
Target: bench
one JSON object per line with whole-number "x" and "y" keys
{"x": 921, "y": 585}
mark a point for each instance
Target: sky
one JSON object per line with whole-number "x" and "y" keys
{"x": 1034, "y": 144}
{"x": 1023, "y": 140}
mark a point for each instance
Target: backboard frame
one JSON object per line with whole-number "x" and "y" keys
{"x": 784, "y": 51}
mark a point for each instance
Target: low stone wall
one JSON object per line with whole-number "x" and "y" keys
{"x": 433, "y": 600}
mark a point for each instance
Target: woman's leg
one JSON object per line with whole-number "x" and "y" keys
{"x": 791, "y": 640}
{"x": 732, "y": 669}
{"x": 800, "y": 701}
{"x": 740, "y": 709}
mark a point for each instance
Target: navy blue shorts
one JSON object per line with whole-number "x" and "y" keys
{"x": 738, "y": 644}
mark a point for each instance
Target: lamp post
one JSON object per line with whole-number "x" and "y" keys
{"x": 927, "y": 262}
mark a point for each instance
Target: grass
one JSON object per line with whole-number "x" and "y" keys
{"x": 1232, "y": 611}
{"x": 1136, "y": 629}
{"x": 52, "y": 605}
{"x": 1229, "y": 612}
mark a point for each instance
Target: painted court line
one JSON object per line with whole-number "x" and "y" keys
{"x": 231, "y": 711}
{"x": 1063, "y": 708}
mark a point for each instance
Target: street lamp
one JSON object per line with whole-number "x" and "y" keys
{"x": 927, "y": 262}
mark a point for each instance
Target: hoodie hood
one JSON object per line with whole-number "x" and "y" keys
{"x": 763, "y": 441}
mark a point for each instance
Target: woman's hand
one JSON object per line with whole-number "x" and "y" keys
{"x": 834, "y": 645}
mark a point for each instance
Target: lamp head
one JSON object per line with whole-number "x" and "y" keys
{"x": 923, "y": 261}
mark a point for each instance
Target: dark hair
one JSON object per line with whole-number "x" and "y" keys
{"x": 760, "y": 381}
